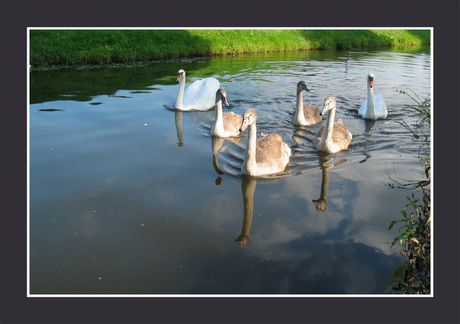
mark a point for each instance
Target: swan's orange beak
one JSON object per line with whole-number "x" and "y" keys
{"x": 179, "y": 77}
{"x": 371, "y": 83}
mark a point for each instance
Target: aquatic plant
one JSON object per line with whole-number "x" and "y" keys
{"x": 413, "y": 276}
{"x": 422, "y": 110}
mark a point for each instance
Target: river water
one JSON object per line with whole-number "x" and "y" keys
{"x": 130, "y": 197}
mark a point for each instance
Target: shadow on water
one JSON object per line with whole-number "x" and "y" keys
{"x": 82, "y": 83}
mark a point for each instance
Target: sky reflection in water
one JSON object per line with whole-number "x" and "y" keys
{"x": 118, "y": 206}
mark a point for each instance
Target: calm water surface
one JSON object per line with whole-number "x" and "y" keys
{"x": 130, "y": 197}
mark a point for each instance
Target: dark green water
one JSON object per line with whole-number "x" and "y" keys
{"x": 118, "y": 207}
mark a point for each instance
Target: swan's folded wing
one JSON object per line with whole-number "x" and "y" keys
{"x": 363, "y": 108}
{"x": 311, "y": 111}
{"x": 272, "y": 149}
{"x": 341, "y": 134}
{"x": 380, "y": 106}
{"x": 201, "y": 94}
{"x": 232, "y": 122}
{"x": 312, "y": 114}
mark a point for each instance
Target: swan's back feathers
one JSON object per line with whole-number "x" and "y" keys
{"x": 272, "y": 152}
{"x": 201, "y": 94}
{"x": 312, "y": 113}
{"x": 232, "y": 121}
{"x": 340, "y": 134}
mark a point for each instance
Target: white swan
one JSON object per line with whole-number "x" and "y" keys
{"x": 226, "y": 124}
{"x": 267, "y": 155}
{"x": 305, "y": 115}
{"x": 332, "y": 138}
{"x": 374, "y": 106}
{"x": 200, "y": 95}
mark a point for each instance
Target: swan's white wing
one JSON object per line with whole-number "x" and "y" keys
{"x": 362, "y": 110}
{"x": 380, "y": 107}
{"x": 201, "y": 94}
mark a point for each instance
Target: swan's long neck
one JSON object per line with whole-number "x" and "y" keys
{"x": 219, "y": 124}
{"x": 299, "y": 114}
{"x": 180, "y": 94}
{"x": 250, "y": 162}
{"x": 370, "y": 102}
{"x": 327, "y": 139}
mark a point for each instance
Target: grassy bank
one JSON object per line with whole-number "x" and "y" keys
{"x": 96, "y": 47}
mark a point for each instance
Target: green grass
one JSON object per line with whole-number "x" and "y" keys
{"x": 98, "y": 47}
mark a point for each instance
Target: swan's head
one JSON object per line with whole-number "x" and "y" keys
{"x": 222, "y": 95}
{"x": 180, "y": 75}
{"x": 321, "y": 205}
{"x": 243, "y": 240}
{"x": 329, "y": 104}
{"x": 249, "y": 118}
{"x": 302, "y": 86}
{"x": 370, "y": 80}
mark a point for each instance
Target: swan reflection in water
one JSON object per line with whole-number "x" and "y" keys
{"x": 179, "y": 129}
{"x": 325, "y": 165}
{"x": 219, "y": 147}
{"x": 199, "y": 121}
{"x": 248, "y": 187}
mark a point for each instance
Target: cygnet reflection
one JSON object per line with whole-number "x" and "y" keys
{"x": 248, "y": 187}
{"x": 325, "y": 165}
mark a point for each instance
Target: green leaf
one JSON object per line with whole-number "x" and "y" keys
{"x": 398, "y": 275}
{"x": 399, "y": 238}
{"x": 407, "y": 232}
{"x": 392, "y": 224}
